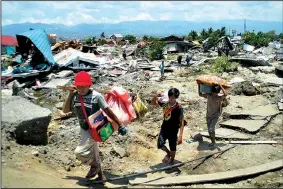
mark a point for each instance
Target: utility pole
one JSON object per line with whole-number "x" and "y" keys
{"x": 245, "y": 26}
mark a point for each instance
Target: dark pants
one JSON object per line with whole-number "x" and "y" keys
{"x": 170, "y": 136}
{"x": 219, "y": 53}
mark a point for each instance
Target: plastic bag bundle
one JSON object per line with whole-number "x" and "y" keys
{"x": 119, "y": 101}
{"x": 209, "y": 80}
{"x": 140, "y": 108}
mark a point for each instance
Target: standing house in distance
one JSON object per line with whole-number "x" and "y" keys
{"x": 117, "y": 37}
{"x": 175, "y": 44}
{"x": 8, "y": 44}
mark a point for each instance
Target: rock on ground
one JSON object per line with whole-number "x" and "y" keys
{"x": 245, "y": 88}
{"x": 24, "y": 121}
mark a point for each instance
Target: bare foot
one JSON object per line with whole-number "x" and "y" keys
{"x": 102, "y": 178}
{"x": 171, "y": 162}
{"x": 166, "y": 159}
{"x": 91, "y": 173}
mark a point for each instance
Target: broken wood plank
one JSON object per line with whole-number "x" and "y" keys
{"x": 253, "y": 142}
{"x": 247, "y": 125}
{"x": 163, "y": 168}
{"x": 227, "y": 134}
{"x": 194, "y": 179}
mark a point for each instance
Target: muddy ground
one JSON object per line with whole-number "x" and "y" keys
{"x": 55, "y": 165}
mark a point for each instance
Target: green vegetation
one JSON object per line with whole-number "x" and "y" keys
{"x": 222, "y": 64}
{"x": 6, "y": 63}
{"x": 145, "y": 38}
{"x": 102, "y": 42}
{"x": 90, "y": 40}
{"x": 156, "y": 52}
{"x": 132, "y": 39}
{"x": 256, "y": 39}
{"x": 261, "y": 39}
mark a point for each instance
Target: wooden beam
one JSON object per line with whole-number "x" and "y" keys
{"x": 193, "y": 179}
{"x": 253, "y": 142}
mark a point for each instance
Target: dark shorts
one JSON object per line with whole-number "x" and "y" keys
{"x": 211, "y": 123}
{"x": 171, "y": 137}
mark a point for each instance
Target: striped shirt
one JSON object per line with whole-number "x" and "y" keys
{"x": 93, "y": 102}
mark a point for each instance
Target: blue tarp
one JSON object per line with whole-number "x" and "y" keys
{"x": 40, "y": 39}
{"x": 10, "y": 50}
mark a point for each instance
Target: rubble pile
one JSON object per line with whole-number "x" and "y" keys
{"x": 31, "y": 103}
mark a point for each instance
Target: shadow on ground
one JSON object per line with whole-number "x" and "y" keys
{"x": 119, "y": 183}
{"x": 204, "y": 146}
{"x": 168, "y": 171}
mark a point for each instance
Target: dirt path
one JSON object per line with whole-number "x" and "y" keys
{"x": 29, "y": 173}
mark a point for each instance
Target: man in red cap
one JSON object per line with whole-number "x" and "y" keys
{"x": 88, "y": 151}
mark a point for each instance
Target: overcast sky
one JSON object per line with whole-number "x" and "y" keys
{"x": 72, "y": 13}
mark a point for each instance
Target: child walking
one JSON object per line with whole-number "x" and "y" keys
{"x": 213, "y": 112}
{"x": 172, "y": 122}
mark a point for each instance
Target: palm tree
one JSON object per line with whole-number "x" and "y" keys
{"x": 210, "y": 31}
{"x": 203, "y": 34}
{"x": 222, "y": 31}
{"x": 193, "y": 34}
{"x": 102, "y": 35}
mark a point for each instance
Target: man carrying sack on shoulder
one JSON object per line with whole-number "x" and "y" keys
{"x": 92, "y": 101}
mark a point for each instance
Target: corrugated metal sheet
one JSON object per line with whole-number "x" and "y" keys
{"x": 40, "y": 39}
{"x": 8, "y": 40}
{"x": 72, "y": 56}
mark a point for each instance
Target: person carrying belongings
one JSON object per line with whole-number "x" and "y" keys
{"x": 172, "y": 122}
{"x": 86, "y": 102}
{"x": 214, "y": 106}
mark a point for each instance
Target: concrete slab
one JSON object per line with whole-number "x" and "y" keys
{"x": 64, "y": 73}
{"x": 24, "y": 121}
{"x": 264, "y": 111}
{"x": 247, "y": 125}
{"x": 54, "y": 82}
{"x": 227, "y": 134}
{"x": 280, "y": 105}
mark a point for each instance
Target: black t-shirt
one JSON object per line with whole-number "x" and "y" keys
{"x": 171, "y": 122}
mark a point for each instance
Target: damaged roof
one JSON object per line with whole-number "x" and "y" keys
{"x": 9, "y": 40}
{"x": 41, "y": 40}
{"x": 117, "y": 35}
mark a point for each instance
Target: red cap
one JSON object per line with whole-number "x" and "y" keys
{"x": 83, "y": 79}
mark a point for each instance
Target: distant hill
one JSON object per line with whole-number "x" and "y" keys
{"x": 140, "y": 28}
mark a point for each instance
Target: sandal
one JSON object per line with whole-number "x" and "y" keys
{"x": 91, "y": 173}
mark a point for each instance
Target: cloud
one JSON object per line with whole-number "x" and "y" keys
{"x": 166, "y": 16}
{"x": 141, "y": 16}
{"x": 164, "y": 5}
{"x": 71, "y": 12}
